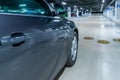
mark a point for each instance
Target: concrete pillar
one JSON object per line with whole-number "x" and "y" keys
{"x": 117, "y": 10}
{"x": 111, "y": 12}
{"x": 69, "y": 12}
{"x": 77, "y": 12}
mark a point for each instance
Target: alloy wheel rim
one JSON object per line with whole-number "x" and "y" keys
{"x": 74, "y": 49}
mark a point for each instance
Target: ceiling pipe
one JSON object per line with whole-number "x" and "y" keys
{"x": 80, "y": 1}
{"x": 110, "y": 3}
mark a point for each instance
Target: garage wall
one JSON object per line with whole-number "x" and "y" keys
{"x": 117, "y": 11}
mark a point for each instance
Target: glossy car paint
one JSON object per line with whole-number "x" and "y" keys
{"x": 33, "y": 47}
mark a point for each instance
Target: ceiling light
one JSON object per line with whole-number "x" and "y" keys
{"x": 64, "y": 3}
{"x": 75, "y": 6}
{"x": 103, "y": 1}
{"x": 81, "y": 8}
{"x": 22, "y": 5}
{"x": 102, "y": 5}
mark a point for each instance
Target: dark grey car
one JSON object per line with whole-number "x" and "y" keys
{"x": 35, "y": 43}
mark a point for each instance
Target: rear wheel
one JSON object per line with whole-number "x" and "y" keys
{"x": 72, "y": 56}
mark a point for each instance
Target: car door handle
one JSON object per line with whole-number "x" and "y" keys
{"x": 18, "y": 39}
{"x": 15, "y": 39}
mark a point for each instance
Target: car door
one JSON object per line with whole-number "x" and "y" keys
{"x": 30, "y": 45}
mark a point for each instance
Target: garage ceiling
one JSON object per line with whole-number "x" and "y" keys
{"x": 95, "y": 5}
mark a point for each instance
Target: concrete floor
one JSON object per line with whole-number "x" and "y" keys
{"x": 96, "y": 61}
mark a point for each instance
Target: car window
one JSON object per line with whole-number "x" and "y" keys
{"x": 59, "y": 8}
{"x": 23, "y": 7}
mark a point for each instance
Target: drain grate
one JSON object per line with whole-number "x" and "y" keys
{"x": 116, "y": 39}
{"x": 103, "y": 42}
{"x": 88, "y": 38}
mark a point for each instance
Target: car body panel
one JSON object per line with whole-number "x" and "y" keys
{"x": 41, "y": 50}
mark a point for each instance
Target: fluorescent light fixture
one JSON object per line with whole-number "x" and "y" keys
{"x": 81, "y": 8}
{"x": 22, "y": 5}
{"x": 102, "y": 7}
{"x": 75, "y": 6}
{"x": 103, "y": 1}
{"x": 64, "y": 3}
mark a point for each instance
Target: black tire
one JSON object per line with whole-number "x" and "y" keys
{"x": 72, "y": 55}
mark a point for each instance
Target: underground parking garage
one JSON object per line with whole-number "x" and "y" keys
{"x": 59, "y": 40}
